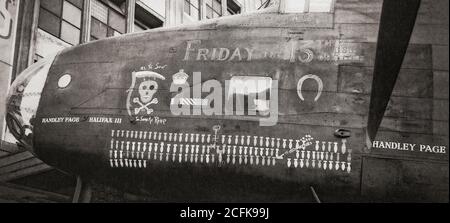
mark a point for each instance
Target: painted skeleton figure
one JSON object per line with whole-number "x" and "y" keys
{"x": 146, "y": 90}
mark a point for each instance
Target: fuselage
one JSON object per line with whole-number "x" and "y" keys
{"x": 234, "y": 109}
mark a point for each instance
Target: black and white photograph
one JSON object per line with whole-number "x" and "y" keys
{"x": 224, "y": 101}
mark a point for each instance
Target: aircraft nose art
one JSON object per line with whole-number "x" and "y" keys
{"x": 252, "y": 106}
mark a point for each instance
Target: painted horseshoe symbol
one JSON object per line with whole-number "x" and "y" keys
{"x": 306, "y": 77}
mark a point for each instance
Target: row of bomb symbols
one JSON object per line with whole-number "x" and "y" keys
{"x": 238, "y": 140}
{"x": 260, "y": 141}
{"x": 323, "y": 155}
{"x": 127, "y": 163}
{"x": 163, "y": 136}
{"x": 320, "y": 146}
{"x": 232, "y": 155}
{"x": 125, "y": 153}
{"x": 332, "y": 146}
{"x": 128, "y": 153}
{"x": 121, "y": 150}
{"x": 326, "y": 162}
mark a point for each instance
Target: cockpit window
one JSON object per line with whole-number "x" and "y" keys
{"x": 305, "y": 6}
{"x": 23, "y": 100}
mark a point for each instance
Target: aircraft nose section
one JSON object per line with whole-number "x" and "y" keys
{"x": 23, "y": 101}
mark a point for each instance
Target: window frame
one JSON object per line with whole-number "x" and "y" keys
{"x": 228, "y": 12}
{"x": 190, "y": 7}
{"x": 141, "y": 25}
{"x": 207, "y": 6}
{"x": 108, "y": 26}
{"x": 61, "y": 19}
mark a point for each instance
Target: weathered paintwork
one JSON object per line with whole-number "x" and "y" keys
{"x": 265, "y": 45}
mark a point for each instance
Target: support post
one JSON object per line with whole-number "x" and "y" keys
{"x": 83, "y": 192}
{"x": 131, "y": 9}
{"x": 86, "y": 23}
{"x": 26, "y": 36}
{"x": 306, "y": 7}
{"x": 315, "y": 195}
{"x": 202, "y": 5}
{"x": 224, "y": 7}
{"x": 174, "y": 13}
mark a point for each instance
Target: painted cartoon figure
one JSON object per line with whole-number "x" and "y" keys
{"x": 145, "y": 96}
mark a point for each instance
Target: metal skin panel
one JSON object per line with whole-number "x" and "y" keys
{"x": 99, "y": 89}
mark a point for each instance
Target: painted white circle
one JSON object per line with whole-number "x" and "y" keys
{"x": 64, "y": 81}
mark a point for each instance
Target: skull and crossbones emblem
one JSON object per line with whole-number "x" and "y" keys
{"x": 146, "y": 91}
